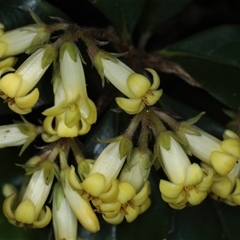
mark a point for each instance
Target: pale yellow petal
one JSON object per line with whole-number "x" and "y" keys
{"x": 29, "y": 100}
{"x": 130, "y": 106}
{"x": 194, "y": 175}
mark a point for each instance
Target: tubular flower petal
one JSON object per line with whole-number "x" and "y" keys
{"x": 189, "y": 183}
{"x": 135, "y": 86}
{"x": 15, "y": 87}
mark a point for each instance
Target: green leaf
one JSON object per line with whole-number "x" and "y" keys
{"x": 14, "y": 13}
{"x": 212, "y": 58}
{"x": 123, "y": 14}
{"x": 157, "y": 12}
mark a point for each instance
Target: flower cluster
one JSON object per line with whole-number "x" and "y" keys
{"x": 116, "y": 185}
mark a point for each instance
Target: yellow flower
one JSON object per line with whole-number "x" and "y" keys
{"x": 100, "y": 181}
{"x": 226, "y": 188}
{"x": 222, "y": 155}
{"x": 136, "y": 87}
{"x": 16, "y": 88}
{"x": 188, "y": 183}
{"x": 28, "y": 210}
{"x": 73, "y": 110}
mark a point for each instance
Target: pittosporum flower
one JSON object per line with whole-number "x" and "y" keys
{"x": 64, "y": 219}
{"x": 126, "y": 198}
{"x": 188, "y": 183}
{"x": 16, "y": 88}
{"x": 136, "y": 87}
{"x": 222, "y": 155}
{"x": 73, "y": 110}
{"x": 18, "y": 40}
{"x": 101, "y": 180}
{"x": 26, "y": 209}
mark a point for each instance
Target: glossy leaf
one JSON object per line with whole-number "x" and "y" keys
{"x": 123, "y": 14}
{"x": 157, "y": 12}
{"x": 15, "y": 14}
{"x": 212, "y": 58}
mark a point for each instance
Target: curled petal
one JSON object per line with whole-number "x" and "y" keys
{"x": 73, "y": 179}
{"x": 55, "y": 110}
{"x": 110, "y": 210}
{"x": 145, "y": 205}
{"x": 114, "y": 220}
{"x": 72, "y": 116}
{"x": 207, "y": 181}
{"x": 222, "y": 188}
{"x": 47, "y": 124}
{"x": 141, "y": 197}
{"x": 43, "y": 219}
{"x": 194, "y": 175}
{"x": 195, "y": 197}
{"x": 132, "y": 213}
{"x": 92, "y": 116}
{"x": 130, "y": 106}
{"x": 49, "y": 138}
{"x": 85, "y": 127}
{"x": 153, "y": 97}
{"x": 222, "y": 162}
{"x": 8, "y": 205}
{"x": 156, "y": 79}
{"x": 28, "y": 101}
{"x": 169, "y": 189}
{"x": 178, "y": 206}
{"x": 126, "y": 192}
{"x": 180, "y": 199}
{"x": 14, "y": 107}
{"x": 111, "y": 193}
